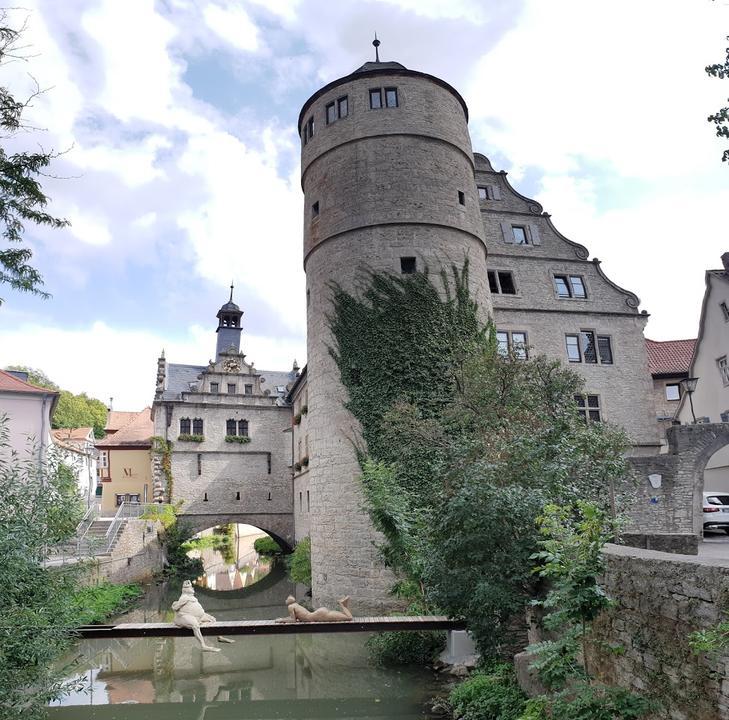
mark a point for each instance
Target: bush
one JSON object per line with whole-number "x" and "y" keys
{"x": 96, "y": 603}
{"x": 589, "y": 702}
{"x": 178, "y": 563}
{"x": 191, "y": 438}
{"x": 405, "y": 648}
{"x": 491, "y": 694}
{"x": 242, "y": 439}
{"x": 299, "y": 562}
{"x": 267, "y": 546}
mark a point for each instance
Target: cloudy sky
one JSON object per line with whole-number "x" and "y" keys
{"x": 177, "y": 119}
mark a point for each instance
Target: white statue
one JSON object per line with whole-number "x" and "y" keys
{"x": 189, "y": 613}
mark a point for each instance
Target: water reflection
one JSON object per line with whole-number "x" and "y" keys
{"x": 287, "y": 676}
{"x": 232, "y": 564}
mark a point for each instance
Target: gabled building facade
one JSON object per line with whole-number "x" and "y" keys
{"x": 76, "y": 447}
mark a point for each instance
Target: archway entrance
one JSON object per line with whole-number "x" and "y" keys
{"x": 234, "y": 556}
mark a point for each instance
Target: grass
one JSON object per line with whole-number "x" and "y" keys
{"x": 96, "y": 603}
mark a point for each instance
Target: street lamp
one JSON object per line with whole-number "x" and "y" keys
{"x": 689, "y": 385}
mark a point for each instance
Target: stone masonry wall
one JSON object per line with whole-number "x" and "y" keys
{"x": 136, "y": 556}
{"x": 660, "y": 599}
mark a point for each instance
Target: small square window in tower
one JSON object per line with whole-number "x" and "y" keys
{"x": 391, "y": 97}
{"x": 408, "y": 265}
{"x": 315, "y": 210}
{"x": 375, "y": 99}
{"x": 461, "y": 197}
{"x": 343, "y": 106}
{"x": 331, "y": 113}
{"x": 310, "y": 127}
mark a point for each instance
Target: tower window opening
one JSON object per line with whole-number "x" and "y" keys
{"x": 343, "y": 106}
{"x": 331, "y": 113}
{"x": 461, "y": 197}
{"x": 310, "y": 127}
{"x": 315, "y": 210}
{"x": 391, "y": 97}
{"x": 199, "y": 464}
{"x": 408, "y": 265}
{"x": 308, "y": 504}
{"x": 375, "y": 99}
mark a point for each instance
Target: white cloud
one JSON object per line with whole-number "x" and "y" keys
{"x": 89, "y": 229}
{"x": 107, "y": 362}
{"x": 233, "y": 25}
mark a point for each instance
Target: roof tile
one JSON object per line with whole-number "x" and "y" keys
{"x": 669, "y": 356}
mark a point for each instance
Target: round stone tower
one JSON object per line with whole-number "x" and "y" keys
{"x": 387, "y": 171}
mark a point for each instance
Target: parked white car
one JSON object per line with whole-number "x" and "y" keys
{"x": 716, "y": 511}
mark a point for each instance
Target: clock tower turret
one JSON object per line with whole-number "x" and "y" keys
{"x": 229, "y": 327}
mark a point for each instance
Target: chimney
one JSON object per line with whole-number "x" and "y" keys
{"x": 725, "y": 261}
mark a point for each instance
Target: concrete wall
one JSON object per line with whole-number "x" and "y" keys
{"x": 130, "y": 472}
{"x": 660, "y": 600}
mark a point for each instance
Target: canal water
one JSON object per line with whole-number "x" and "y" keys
{"x": 286, "y": 676}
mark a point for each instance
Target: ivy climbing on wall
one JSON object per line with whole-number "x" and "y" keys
{"x": 163, "y": 448}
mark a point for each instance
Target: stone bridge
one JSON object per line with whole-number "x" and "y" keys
{"x": 279, "y": 525}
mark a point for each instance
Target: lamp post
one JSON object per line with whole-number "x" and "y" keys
{"x": 689, "y": 385}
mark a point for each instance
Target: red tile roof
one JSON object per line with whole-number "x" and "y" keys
{"x": 9, "y": 383}
{"x": 80, "y": 433}
{"x": 669, "y": 357}
{"x": 117, "y": 419}
{"x": 136, "y": 433}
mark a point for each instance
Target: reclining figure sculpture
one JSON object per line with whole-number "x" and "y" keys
{"x": 298, "y": 613}
{"x": 189, "y": 613}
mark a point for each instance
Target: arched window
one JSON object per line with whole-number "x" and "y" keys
{"x": 243, "y": 428}
{"x": 230, "y": 427}
{"x": 184, "y": 426}
{"x": 197, "y": 426}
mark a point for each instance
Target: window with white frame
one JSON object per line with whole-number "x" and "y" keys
{"x": 587, "y": 347}
{"x": 512, "y": 343}
{"x": 570, "y": 286}
{"x": 723, "y": 369}
{"x": 673, "y": 391}
{"x": 588, "y": 407}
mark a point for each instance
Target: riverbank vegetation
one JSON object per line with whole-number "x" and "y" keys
{"x": 96, "y": 603}
{"x": 298, "y": 564}
{"x": 466, "y": 443}
{"x": 267, "y": 547}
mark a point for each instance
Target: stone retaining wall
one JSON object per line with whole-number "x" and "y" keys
{"x": 660, "y": 599}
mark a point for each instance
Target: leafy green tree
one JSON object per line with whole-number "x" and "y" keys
{"x": 39, "y": 508}
{"x": 22, "y": 199}
{"x": 720, "y": 118}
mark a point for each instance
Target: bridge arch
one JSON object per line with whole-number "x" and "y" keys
{"x": 279, "y": 526}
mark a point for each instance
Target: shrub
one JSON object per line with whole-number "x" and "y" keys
{"x": 242, "y": 439}
{"x": 191, "y": 438}
{"x": 96, "y": 603}
{"x": 590, "y": 702}
{"x": 267, "y": 546}
{"x": 178, "y": 563}
{"x": 491, "y": 694}
{"x": 299, "y": 562}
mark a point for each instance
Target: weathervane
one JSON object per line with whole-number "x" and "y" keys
{"x": 376, "y": 43}
{"x": 231, "y": 291}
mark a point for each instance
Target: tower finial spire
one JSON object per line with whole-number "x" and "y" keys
{"x": 231, "y": 291}
{"x": 376, "y": 43}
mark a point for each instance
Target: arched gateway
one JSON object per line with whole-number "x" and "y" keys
{"x": 223, "y": 444}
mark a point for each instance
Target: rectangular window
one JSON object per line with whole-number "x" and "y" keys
{"x": 514, "y": 343}
{"x": 723, "y": 369}
{"x": 520, "y": 235}
{"x": 199, "y": 463}
{"x": 213, "y": 387}
{"x": 588, "y": 407}
{"x": 185, "y": 426}
{"x": 310, "y": 127}
{"x": 501, "y": 282}
{"x": 391, "y": 97}
{"x": 301, "y": 501}
{"x": 315, "y": 210}
{"x": 230, "y": 427}
{"x": 343, "y": 107}
{"x": 375, "y": 99}
{"x": 587, "y": 343}
{"x": 248, "y": 389}
{"x": 569, "y": 286}
{"x": 120, "y": 499}
{"x": 605, "y": 350}
{"x": 461, "y": 197}
{"x": 308, "y": 504}
{"x": 573, "y": 348}
{"x": 673, "y": 391}
{"x": 243, "y": 430}
{"x": 483, "y": 193}
{"x": 197, "y": 426}
{"x": 331, "y": 113}
{"x": 408, "y": 265}
{"x": 231, "y": 388}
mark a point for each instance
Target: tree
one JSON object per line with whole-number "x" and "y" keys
{"x": 40, "y": 507}
{"x": 721, "y": 117}
{"x": 22, "y": 199}
{"x": 72, "y": 410}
